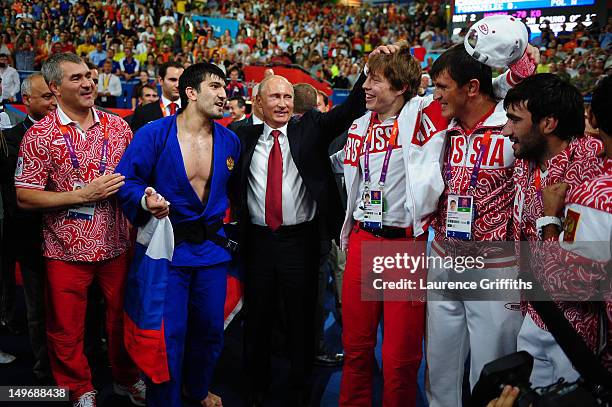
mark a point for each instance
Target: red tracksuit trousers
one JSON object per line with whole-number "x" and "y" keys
{"x": 404, "y": 324}
{"x": 66, "y": 305}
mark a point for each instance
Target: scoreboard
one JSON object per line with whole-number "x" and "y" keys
{"x": 475, "y": 6}
{"x": 532, "y": 12}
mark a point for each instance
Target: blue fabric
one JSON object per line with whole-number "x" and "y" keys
{"x": 193, "y": 330}
{"x": 154, "y": 159}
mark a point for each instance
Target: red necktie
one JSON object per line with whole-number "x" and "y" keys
{"x": 274, "y": 188}
{"x": 172, "y": 107}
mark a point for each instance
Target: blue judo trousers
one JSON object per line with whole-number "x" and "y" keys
{"x": 178, "y": 313}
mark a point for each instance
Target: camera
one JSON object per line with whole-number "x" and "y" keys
{"x": 515, "y": 370}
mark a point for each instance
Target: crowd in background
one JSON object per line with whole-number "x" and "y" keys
{"x": 328, "y": 40}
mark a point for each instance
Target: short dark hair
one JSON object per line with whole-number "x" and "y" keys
{"x": 545, "y": 95}
{"x": 163, "y": 69}
{"x": 239, "y": 99}
{"x": 146, "y": 86}
{"x": 462, "y": 68}
{"x": 193, "y": 76}
{"x": 600, "y": 105}
{"x": 305, "y": 97}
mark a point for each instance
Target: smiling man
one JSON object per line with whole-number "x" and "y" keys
{"x": 382, "y": 158}
{"x": 546, "y": 127}
{"x": 187, "y": 159}
{"x": 287, "y": 191}
{"x": 65, "y": 169}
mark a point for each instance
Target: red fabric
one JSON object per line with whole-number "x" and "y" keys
{"x": 172, "y": 107}
{"x": 404, "y": 325}
{"x": 66, "y": 305}
{"x": 46, "y": 165}
{"x": 274, "y": 188}
{"x": 148, "y": 348}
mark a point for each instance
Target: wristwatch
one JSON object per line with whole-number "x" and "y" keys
{"x": 547, "y": 220}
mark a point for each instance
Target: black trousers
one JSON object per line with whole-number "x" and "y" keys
{"x": 22, "y": 243}
{"x": 284, "y": 263}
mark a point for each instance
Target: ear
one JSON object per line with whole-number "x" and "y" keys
{"x": 548, "y": 125}
{"x": 191, "y": 93}
{"x": 54, "y": 89}
{"x": 26, "y": 99}
{"x": 473, "y": 87}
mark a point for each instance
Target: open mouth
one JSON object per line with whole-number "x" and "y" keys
{"x": 220, "y": 105}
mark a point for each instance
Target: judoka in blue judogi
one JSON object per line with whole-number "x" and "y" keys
{"x": 179, "y": 313}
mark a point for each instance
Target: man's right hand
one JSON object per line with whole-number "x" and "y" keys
{"x": 101, "y": 188}
{"x": 157, "y": 204}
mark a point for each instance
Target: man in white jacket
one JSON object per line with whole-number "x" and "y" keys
{"x": 387, "y": 159}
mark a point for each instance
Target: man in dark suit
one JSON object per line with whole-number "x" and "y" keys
{"x": 256, "y": 116}
{"x": 170, "y": 102}
{"x": 22, "y": 240}
{"x": 286, "y": 187}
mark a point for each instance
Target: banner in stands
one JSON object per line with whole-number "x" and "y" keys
{"x": 219, "y": 25}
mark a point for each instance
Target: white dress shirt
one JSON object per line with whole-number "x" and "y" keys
{"x": 10, "y": 82}
{"x": 108, "y": 82}
{"x": 166, "y": 102}
{"x": 298, "y": 205}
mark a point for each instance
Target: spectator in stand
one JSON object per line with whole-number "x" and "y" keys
{"x": 562, "y": 72}
{"x": 76, "y": 196}
{"x": 585, "y": 80}
{"x": 10, "y": 80}
{"x": 129, "y": 65}
{"x": 98, "y": 56}
{"x": 237, "y": 108}
{"x": 234, "y": 87}
{"x": 109, "y": 86}
{"x": 110, "y": 55}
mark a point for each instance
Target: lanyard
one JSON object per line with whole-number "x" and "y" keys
{"x": 106, "y": 81}
{"x": 73, "y": 157}
{"x": 537, "y": 180}
{"x": 366, "y": 158}
{"x": 484, "y": 147}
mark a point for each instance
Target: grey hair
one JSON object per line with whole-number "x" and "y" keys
{"x": 26, "y": 85}
{"x": 52, "y": 70}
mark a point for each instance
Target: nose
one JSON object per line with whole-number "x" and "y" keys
{"x": 507, "y": 129}
{"x": 366, "y": 84}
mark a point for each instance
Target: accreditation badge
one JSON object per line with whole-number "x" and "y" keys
{"x": 372, "y": 201}
{"x": 460, "y": 216}
{"x": 84, "y": 212}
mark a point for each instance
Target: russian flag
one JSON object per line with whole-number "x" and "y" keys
{"x": 145, "y": 294}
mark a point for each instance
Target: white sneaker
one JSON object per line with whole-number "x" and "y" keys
{"x": 136, "y": 392}
{"x": 86, "y": 400}
{"x": 6, "y": 358}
